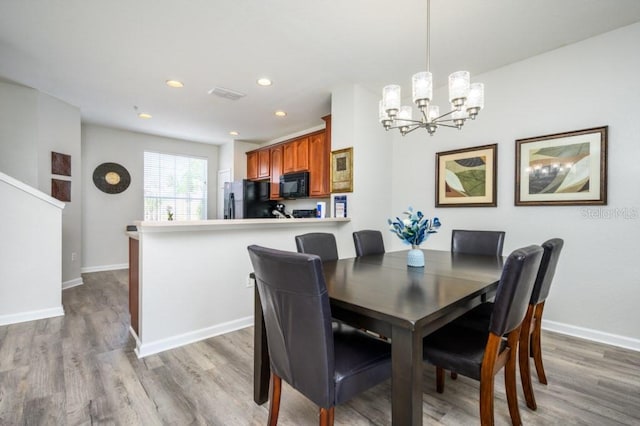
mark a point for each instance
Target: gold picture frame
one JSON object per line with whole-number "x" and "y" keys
{"x": 467, "y": 177}
{"x": 342, "y": 170}
{"x": 562, "y": 169}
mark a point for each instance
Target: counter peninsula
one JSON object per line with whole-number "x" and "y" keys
{"x": 189, "y": 280}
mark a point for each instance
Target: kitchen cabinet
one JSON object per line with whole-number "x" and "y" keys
{"x": 310, "y": 152}
{"x": 264, "y": 166}
{"x": 276, "y": 170}
{"x": 252, "y": 165}
{"x": 319, "y": 165}
{"x": 296, "y": 155}
{"x": 134, "y": 292}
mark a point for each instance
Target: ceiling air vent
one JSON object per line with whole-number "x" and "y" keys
{"x": 226, "y": 93}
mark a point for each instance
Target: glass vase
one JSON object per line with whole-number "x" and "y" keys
{"x": 415, "y": 257}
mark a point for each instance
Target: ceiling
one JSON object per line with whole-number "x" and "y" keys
{"x": 107, "y": 57}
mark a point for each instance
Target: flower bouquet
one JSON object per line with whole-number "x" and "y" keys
{"x": 414, "y": 230}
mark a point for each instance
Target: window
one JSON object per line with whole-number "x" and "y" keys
{"x": 175, "y": 187}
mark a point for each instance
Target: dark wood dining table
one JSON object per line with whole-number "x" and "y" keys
{"x": 382, "y": 294}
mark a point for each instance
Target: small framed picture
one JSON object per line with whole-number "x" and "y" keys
{"x": 567, "y": 168}
{"x": 342, "y": 170}
{"x": 467, "y": 177}
{"x": 60, "y": 164}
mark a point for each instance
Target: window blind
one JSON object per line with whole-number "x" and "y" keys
{"x": 175, "y": 187}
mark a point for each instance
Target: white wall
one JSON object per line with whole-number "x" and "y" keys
{"x": 30, "y": 267}
{"x": 32, "y": 125}
{"x": 354, "y": 124}
{"x": 589, "y": 84}
{"x": 105, "y": 216}
{"x": 59, "y": 131}
{"x": 18, "y": 133}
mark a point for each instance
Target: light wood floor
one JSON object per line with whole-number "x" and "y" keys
{"x": 80, "y": 369}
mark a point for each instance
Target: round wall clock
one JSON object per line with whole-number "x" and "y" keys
{"x": 111, "y": 178}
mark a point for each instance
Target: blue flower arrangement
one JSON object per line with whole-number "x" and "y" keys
{"x": 415, "y": 228}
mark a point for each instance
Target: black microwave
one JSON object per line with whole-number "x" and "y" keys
{"x": 294, "y": 185}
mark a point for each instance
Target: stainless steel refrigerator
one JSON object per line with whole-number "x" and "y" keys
{"x": 247, "y": 199}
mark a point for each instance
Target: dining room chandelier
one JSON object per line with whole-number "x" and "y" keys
{"x": 466, "y": 98}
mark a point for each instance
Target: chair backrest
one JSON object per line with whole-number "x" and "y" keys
{"x": 321, "y": 243}
{"x": 514, "y": 290}
{"x": 489, "y": 243}
{"x": 368, "y": 242}
{"x": 552, "y": 249}
{"x": 297, "y": 318}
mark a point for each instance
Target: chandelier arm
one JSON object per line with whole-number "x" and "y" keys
{"x": 412, "y": 129}
{"x": 444, "y": 115}
{"x": 446, "y": 125}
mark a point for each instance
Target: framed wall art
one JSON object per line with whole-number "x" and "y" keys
{"x": 467, "y": 177}
{"x": 342, "y": 170}
{"x": 60, "y": 164}
{"x": 562, "y": 169}
{"x": 61, "y": 189}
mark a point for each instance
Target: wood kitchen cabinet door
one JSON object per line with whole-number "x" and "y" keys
{"x": 252, "y": 165}
{"x": 276, "y": 171}
{"x": 319, "y": 170}
{"x": 296, "y": 156}
{"x": 264, "y": 166}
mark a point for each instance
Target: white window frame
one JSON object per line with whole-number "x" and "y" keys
{"x": 161, "y": 194}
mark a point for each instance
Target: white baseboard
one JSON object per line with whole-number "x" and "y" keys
{"x": 72, "y": 283}
{"x": 145, "y": 349}
{"x": 593, "y": 335}
{"x": 101, "y": 268}
{"x": 31, "y": 316}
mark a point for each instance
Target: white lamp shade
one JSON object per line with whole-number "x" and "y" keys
{"x": 459, "y": 85}
{"x": 460, "y": 115}
{"x": 382, "y": 114}
{"x": 433, "y": 113}
{"x": 422, "y": 86}
{"x": 391, "y": 97}
{"x": 405, "y": 113}
{"x": 476, "y": 96}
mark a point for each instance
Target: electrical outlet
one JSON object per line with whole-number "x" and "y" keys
{"x": 250, "y": 281}
{"x": 74, "y": 256}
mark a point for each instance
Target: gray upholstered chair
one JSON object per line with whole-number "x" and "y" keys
{"x": 488, "y": 243}
{"x": 321, "y": 243}
{"x": 368, "y": 242}
{"x": 328, "y": 366}
{"x": 481, "y": 353}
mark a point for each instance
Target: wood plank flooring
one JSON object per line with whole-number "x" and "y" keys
{"x": 80, "y": 369}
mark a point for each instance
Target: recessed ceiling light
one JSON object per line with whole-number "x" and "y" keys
{"x": 144, "y": 115}
{"x": 234, "y": 133}
{"x": 280, "y": 113}
{"x": 264, "y": 82}
{"x": 174, "y": 83}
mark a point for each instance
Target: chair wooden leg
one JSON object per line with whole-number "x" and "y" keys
{"x": 326, "y": 416}
{"x": 536, "y": 347}
{"x": 487, "y": 374}
{"x": 274, "y": 399}
{"x": 439, "y": 379}
{"x": 523, "y": 352}
{"x": 510, "y": 377}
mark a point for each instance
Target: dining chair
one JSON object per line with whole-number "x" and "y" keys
{"x": 477, "y": 242}
{"x": 530, "y": 334}
{"x": 480, "y": 354}
{"x": 328, "y": 366}
{"x": 321, "y": 243}
{"x": 368, "y": 242}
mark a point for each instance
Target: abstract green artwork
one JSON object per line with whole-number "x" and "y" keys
{"x": 467, "y": 177}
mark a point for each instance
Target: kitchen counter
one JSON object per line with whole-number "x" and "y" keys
{"x": 223, "y": 225}
{"x": 190, "y": 280}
